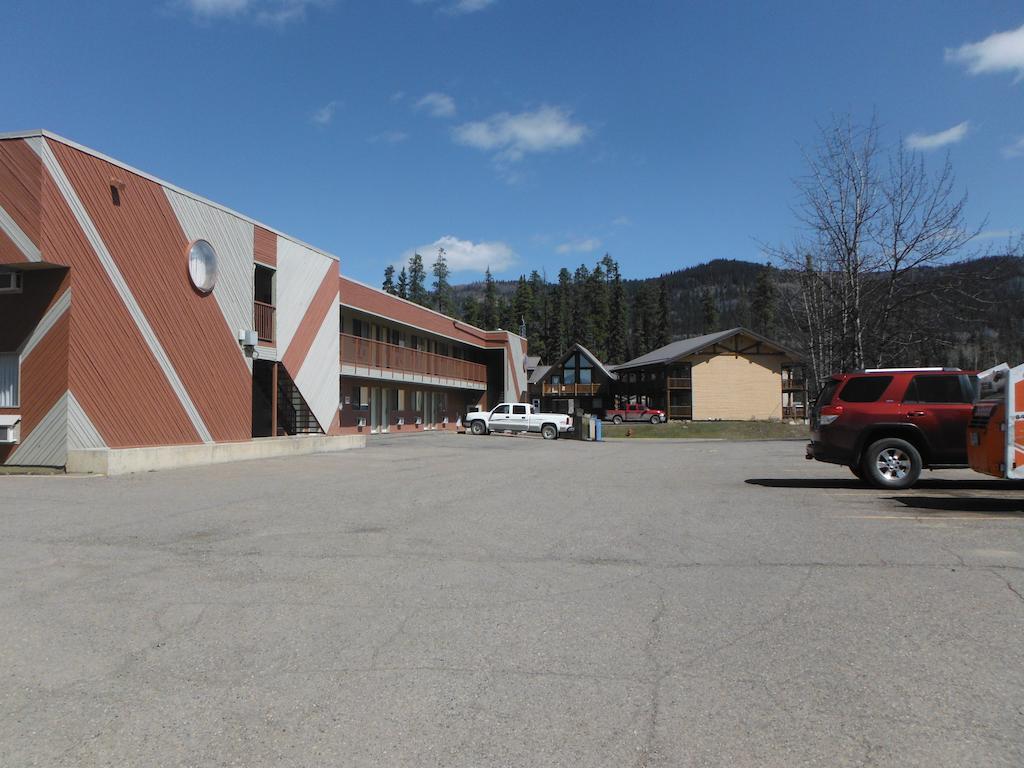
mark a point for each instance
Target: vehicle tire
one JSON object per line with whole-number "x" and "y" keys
{"x": 655, "y": 419}
{"x": 857, "y": 472}
{"x": 478, "y": 427}
{"x": 891, "y": 463}
{"x": 616, "y": 419}
{"x": 549, "y": 432}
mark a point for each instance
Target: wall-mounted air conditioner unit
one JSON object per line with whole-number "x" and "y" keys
{"x": 9, "y": 429}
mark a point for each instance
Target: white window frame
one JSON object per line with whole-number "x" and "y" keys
{"x": 11, "y": 282}
{"x": 17, "y": 379}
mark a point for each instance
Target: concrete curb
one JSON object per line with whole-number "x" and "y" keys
{"x": 122, "y": 461}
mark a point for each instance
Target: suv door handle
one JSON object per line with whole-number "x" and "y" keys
{"x": 912, "y": 414}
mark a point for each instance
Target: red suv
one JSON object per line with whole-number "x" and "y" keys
{"x": 887, "y": 425}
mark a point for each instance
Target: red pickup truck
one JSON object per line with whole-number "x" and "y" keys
{"x": 634, "y": 412}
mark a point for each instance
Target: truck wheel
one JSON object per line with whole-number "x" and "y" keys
{"x": 655, "y": 419}
{"x": 549, "y": 432}
{"x": 616, "y": 419}
{"x": 479, "y": 428}
{"x": 891, "y": 464}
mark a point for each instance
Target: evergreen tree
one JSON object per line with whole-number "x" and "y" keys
{"x": 661, "y": 332}
{"x": 762, "y": 309}
{"x": 523, "y": 308}
{"x": 417, "y": 280}
{"x": 403, "y": 284}
{"x": 537, "y": 323}
{"x": 596, "y": 308}
{"x": 471, "y": 311}
{"x": 562, "y": 315}
{"x": 389, "y": 279}
{"x": 616, "y": 335}
{"x": 580, "y": 320}
{"x": 443, "y": 300}
{"x": 709, "y": 310}
{"x": 643, "y": 320}
{"x": 489, "y": 316}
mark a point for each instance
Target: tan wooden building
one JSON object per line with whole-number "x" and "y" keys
{"x": 734, "y": 374}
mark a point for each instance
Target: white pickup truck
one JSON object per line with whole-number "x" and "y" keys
{"x": 518, "y": 417}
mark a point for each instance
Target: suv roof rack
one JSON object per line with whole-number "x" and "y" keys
{"x": 901, "y": 370}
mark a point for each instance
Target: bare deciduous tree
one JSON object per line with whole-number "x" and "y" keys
{"x": 873, "y": 222}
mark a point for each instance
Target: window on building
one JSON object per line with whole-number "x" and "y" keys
{"x": 401, "y": 399}
{"x": 357, "y": 327}
{"x": 9, "y": 373}
{"x": 585, "y": 375}
{"x": 418, "y": 401}
{"x": 360, "y": 398}
{"x": 10, "y": 282}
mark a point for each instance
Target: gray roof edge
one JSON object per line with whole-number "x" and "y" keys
{"x": 42, "y": 133}
{"x": 694, "y": 344}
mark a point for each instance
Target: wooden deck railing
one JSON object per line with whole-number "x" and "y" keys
{"x": 378, "y": 354}
{"x": 263, "y": 320}
{"x": 680, "y": 411}
{"x": 571, "y": 389}
{"x": 680, "y": 382}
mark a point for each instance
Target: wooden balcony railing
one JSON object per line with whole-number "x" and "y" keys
{"x": 263, "y": 320}
{"x": 680, "y": 411}
{"x": 680, "y": 383}
{"x": 378, "y": 354}
{"x": 571, "y": 389}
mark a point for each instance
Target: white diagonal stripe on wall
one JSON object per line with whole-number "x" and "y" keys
{"x": 47, "y": 444}
{"x": 18, "y": 237}
{"x": 81, "y": 432}
{"x": 120, "y": 285}
{"x": 44, "y": 326}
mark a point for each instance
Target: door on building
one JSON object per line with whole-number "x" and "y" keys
{"x": 374, "y": 410}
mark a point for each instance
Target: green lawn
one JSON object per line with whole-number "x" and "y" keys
{"x": 723, "y": 430}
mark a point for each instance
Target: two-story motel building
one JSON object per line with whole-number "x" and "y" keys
{"x": 137, "y": 315}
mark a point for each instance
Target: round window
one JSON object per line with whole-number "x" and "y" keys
{"x": 202, "y": 265}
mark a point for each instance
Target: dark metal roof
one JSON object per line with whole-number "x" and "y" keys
{"x": 691, "y": 346}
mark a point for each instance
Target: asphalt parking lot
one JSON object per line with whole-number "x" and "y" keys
{"x": 441, "y": 600}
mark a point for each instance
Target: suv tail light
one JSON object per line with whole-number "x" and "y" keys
{"x": 830, "y": 413}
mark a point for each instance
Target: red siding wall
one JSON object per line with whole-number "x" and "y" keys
{"x": 265, "y": 247}
{"x": 146, "y": 242}
{"x": 21, "y": 177}
{"x": 44, "y": 373}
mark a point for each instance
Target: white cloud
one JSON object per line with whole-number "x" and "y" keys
{"x": 465, "y": 255}
{"x": 513, "y": 136}
{"x": 927, "y": 141}
{"x": 459, "y": 7}
{"x": 270, "y": 12}
{"x": 389, "y": 137}
{"x": 1016, "y": 149}
{"x": 211, "y": 8}
{"x": 325, "y": 114}
{"x": 999, "y": 52}
{"x": 438, "y": 104}
{"x": 998, "y": 234}
{"x": 469, "y": 6}
{"x": 621, "y": 221}
{"x": 586, "y": 245}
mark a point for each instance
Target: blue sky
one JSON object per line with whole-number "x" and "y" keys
{"x": 520, "y": 133}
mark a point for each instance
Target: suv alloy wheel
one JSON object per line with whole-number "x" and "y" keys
{"x": 891, "y": 463}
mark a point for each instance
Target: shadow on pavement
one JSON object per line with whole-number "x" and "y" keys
{"x": 922, "y": 485}
{"x": 1010, "y": 507}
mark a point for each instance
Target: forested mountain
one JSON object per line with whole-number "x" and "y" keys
{"x": 972, "y": 314}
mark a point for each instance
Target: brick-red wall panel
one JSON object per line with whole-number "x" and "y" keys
{"x": 150, "y": 249}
